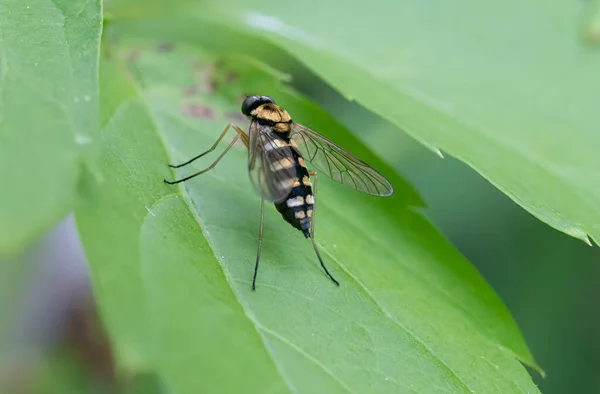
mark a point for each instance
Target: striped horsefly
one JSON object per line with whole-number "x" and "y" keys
{"x": 277, "y": 148}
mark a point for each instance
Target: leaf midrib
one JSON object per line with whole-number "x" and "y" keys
{"x": 189, "y": 203}
{"x": 202, "y": 226}
{"x": 259, "y": 328}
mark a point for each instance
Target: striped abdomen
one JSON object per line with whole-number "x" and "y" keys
{"x": 297, "y": 208}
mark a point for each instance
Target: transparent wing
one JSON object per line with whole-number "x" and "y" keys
{"x": 270, "y": 164}
{"x": 339, "y": 164}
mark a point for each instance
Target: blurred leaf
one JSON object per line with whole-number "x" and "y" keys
{"x": 110, "y": 214}
{"x": 141, "y": 8}
{"x": 508, "y": 87}
{"x": 63, "y": 371}
{"x": 60, "y": 372}
{"x": 144, "y": 384}
{"x": 48, "y": 110}
{"x": 410, "y": 314}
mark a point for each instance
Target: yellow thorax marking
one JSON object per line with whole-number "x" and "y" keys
{"x": 273, "y": 113}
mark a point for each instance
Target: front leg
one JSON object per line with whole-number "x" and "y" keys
{"x": 241, "y": 134}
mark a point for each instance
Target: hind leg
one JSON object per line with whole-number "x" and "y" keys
{"x": 260, "y": 237}
{"x": 312, "y": 226}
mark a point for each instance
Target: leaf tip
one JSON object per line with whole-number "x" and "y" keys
{"x": 577, "y": 232}
{"x": 533, "y": 364}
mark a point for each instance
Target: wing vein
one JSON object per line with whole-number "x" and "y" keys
{"x": 335, "y": 162}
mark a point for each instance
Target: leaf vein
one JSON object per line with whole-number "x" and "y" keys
{"x": 305, "y": 355}
{"x": 189, "y": 203}
{"x": 387, "y": 314}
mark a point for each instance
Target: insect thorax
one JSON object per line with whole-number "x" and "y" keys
{"x": 273, "y": 116}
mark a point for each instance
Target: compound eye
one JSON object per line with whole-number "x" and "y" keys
{"x": 252, "y": 102}
{"x": 266, "y": 99}
{"x": 249, "y": 104}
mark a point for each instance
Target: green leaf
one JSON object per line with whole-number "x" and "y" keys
{"x": 410, "y": 315}
{"x": 60, "y": 372}
{"x": 110, "y": 213}
{"x": 510, "y": 88}
{"x": 48, "y": 110}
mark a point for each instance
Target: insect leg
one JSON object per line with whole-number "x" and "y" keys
{"x": 204, "y": 153}
{"x": 260, "y": 237}
{"x": 245, "y": 138}
{"x": 312, "y": 227}
{"x": 321, "y": 261}
{"x": 209, "y": 167}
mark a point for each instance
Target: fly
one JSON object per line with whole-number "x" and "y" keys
{"x": 277, "y": 150}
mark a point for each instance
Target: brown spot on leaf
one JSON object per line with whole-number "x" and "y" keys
{"x": 190, "y": 91}
{"x": 134, "y": 55}
{"x": 197, "y": 63}
{"x": 592, "y": 35}
{"x": 219, "y": 64}
{"x": 205, "y": 80}
{"x": 236, "y": 116}
{"x": 198, "y": 111}
{"x": 231, "y": 76}
{"x": 165, "y": 47}
{"x": 211, "y": 86}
